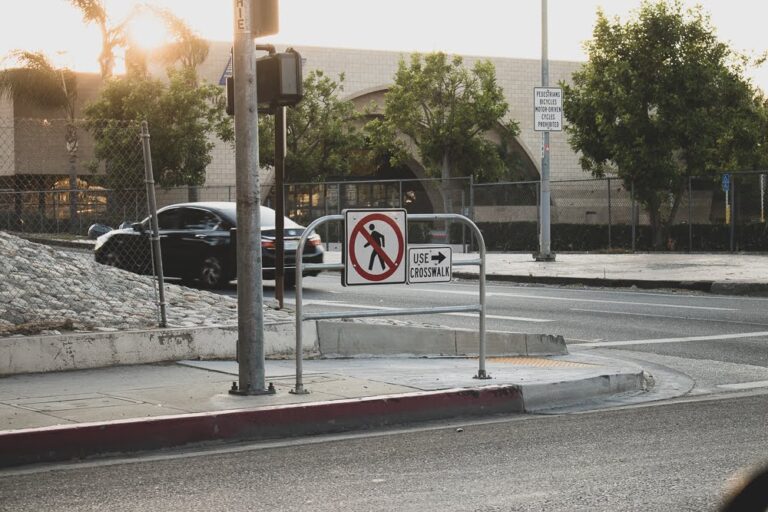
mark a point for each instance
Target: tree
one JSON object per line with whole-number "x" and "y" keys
{"x": 187, "y": 48}
{"x": 322, "y": 138}
{"x": 661, "y": 99}
{"x": 182, "y": 118}
{"x": 112, "y": 36}
{"x": 445, "y": 109}
{"x": 37, "y": 82}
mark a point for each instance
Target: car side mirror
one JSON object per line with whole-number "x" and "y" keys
{"x": 138, "y": 226}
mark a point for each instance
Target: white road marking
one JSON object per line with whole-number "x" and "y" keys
{"x": 678, "y": 340}
{"x": 575, "y": 299}
{"x": 339, "y": 304}
{"x": 668, "y": 316}
{"x": 745, "y": 385}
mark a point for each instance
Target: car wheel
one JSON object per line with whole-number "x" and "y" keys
{"x": 113, "y": 259}
{"x": 212, "y": 273}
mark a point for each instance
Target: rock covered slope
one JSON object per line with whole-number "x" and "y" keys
{"x": 43, "y": 290}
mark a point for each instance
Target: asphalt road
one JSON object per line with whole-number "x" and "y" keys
{"x": 707, "y": 327}
{"x": 671, "y": 457}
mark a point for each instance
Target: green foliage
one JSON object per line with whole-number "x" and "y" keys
{"x": 181, "y": 117}
{"x": 322, "y": 137}
{"x": 444, "y": 109}
{"x": 661, "y": 99}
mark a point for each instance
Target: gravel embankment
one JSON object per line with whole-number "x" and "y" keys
{"x": 45, "y": 290}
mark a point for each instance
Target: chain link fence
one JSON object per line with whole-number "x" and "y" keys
{"x": 722, "y": 212}
{"x": 308, "y": 201}
{"x": 587, "y": 215}
{"x": 64, "y": 183}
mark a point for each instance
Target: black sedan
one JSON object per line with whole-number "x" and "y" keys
{"x": 197, "y": 244}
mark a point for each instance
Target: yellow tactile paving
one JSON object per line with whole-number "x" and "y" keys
{"x": 539, "y": 362}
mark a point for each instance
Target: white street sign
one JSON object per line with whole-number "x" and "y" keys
{"x": 429, "y": 264}
{"x": 547, "y": 109}
{"x": 374, "y": 246}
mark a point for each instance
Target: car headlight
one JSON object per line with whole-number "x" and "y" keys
{"x": 100, "y": 241}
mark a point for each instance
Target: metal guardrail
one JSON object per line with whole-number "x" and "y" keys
{"x": 301, "y": 317}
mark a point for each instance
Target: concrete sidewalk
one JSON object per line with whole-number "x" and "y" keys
{"x": 722, "y": 273}
{"x": 66, "y": 415}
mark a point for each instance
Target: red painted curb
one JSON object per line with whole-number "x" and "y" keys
{"x": 49, "y": 444}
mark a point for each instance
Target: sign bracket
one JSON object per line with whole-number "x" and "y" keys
{"x": 480, "y": 307}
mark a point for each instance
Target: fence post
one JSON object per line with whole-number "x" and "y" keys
{"x": 152, "y": 204}
{"x": 634, "y": 216}
{"x": 732, "y": 192}
{"x": 471, "y": 209}
{"x": 609, "y": 213}
{"x": 690, "y": 214}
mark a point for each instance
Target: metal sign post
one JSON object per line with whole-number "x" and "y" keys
{"x": 545, "y": 252}
{"x": 250, "y": 295}
{"x": 300, "y": 267}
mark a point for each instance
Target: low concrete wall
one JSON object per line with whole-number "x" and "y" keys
{"x": 347, "y": 339}
{"x": 33, "y": 354}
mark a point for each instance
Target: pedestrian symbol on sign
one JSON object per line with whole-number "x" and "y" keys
{"x": 377, "y": 244}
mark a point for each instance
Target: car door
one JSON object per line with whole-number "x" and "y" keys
{"x": 169, "y": 225}
{"x": 198, "y": 237}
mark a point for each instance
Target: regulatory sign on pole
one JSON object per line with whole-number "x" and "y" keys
{"x": 374, "y": 246}
{"x": 429, "y": 264}
{"x": 725, "y": 182}
{"x": 547, "y": 109}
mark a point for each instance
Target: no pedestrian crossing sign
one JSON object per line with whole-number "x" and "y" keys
{"x": 374, "y": 246}
{"x": 547, "y": 109}
{"x": 429, "y": 264}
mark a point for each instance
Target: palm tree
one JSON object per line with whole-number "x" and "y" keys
{"x": 187, "y": 48}
{"x": 37, "y": 82}
{"x": 111, "y": 36}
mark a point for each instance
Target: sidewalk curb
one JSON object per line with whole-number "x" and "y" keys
{"x": 79, "y": 441}
{"x": 646, "y": 284}
{"x": 59, "y": 443}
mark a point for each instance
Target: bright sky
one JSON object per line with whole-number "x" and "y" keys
{"x": 506, "y": 28}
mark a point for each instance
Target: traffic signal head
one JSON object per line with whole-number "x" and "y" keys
{"x": 279, "y": 82}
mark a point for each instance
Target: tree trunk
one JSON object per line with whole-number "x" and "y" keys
{"x": 73, "y": 224}
{"x": 445, "y": 193}
{"x": 72, "y": 145}
{"x": 662, "y": 227}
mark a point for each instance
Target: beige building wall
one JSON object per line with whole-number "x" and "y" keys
{"x": 368, "y": 70}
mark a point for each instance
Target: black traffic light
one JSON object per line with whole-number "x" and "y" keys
{"x": 279, "y": 82}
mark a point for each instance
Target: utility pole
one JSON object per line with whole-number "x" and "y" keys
{"x": 545, "y": 252}
{"x": 250, "y": 295}
{"x": 280, "y": 150}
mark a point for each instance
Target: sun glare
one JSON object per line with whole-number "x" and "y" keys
{"x": 148, "y": 31}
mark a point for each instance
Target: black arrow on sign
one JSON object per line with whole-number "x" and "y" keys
{"x": 439, "y": 258}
